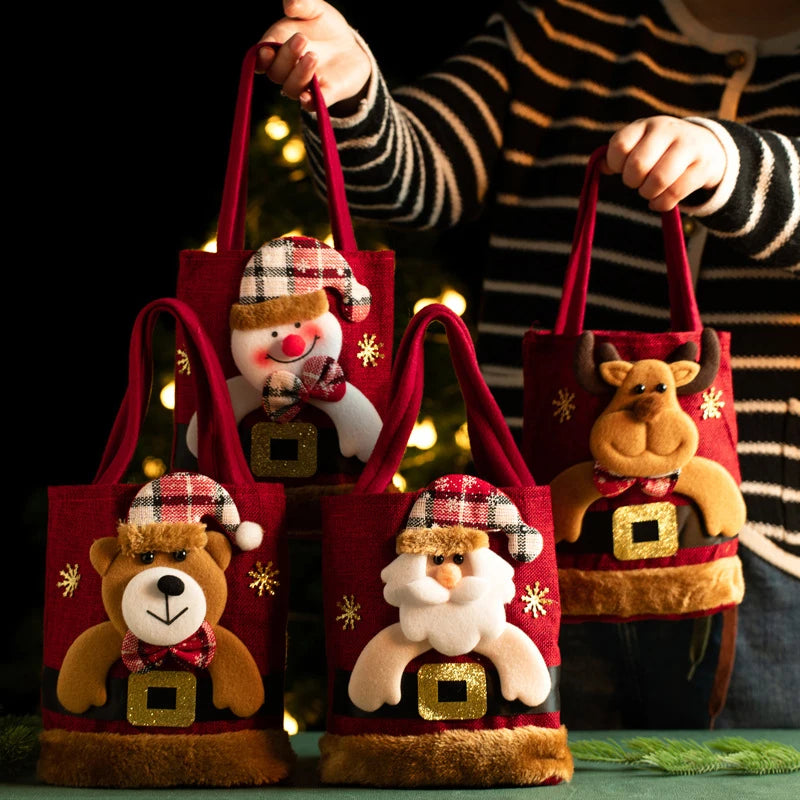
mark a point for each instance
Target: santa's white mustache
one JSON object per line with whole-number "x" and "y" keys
{"x": 429, "y": 592}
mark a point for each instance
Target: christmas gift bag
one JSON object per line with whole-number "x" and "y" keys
{"x": 304, "y": 333}
{"x": 165, "y": 605}
{"x": 442, "y": 606}
{"x": 636, "y": 435}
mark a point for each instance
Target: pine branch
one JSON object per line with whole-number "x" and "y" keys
{"x": 688, "y": 757}
{"x": 19, "y": 745}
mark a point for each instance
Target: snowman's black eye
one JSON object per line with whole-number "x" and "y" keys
{"x": 297, "y": 324}
{"x": 148, "y": 557}
{"x": 458, "y": 558}
{"x": 274, "y": 334}
{"x": 438, "y": 560}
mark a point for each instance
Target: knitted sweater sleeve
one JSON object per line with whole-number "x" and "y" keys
{"x": 422, "y": 157}
{"x": 756, "y": 207}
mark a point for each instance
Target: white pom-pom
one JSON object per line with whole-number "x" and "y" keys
{"x": 249, "y": 535}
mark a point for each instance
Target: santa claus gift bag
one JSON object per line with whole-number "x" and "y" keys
{"x": 165, "y": 606}
{"x": 636, "y": 434}
{"x": 303, "y": 331}
{"x": 442, "y": 606}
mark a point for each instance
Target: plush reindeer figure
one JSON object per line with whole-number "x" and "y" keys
{"x": 643, "y": 437}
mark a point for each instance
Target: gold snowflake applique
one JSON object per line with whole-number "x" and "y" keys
{"x": 535, "y": 599}
{"x": 712, "y": 404}
{"x": 349, "y": 615}
{"x": 71, "y": 580}
{"x": 265, "y": 578}
{"x": 182, "y": 360}
{"x": 369, "y": 351}
{"x": 564, "y": 404}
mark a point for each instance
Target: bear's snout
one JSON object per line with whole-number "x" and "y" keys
{"x": 170, "y": 585}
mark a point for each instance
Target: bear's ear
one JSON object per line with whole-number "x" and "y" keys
{"x": 219, "y": 548}
{"x": 103, "y": 552}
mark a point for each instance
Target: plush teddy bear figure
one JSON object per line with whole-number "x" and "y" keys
{"x": 164, "y": 590}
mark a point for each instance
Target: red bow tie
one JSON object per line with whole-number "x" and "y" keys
{"x": 195, "y": 651}
{"x": 611, "y": 485}
{"x": 284, "y": 393}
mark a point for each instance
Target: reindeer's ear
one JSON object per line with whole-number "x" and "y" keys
{"x": 614, "y": 372}
{"x": 684, "y": 371}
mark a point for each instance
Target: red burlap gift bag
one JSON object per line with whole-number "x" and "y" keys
{"x": 303, "y": 331}
{"x": 636, "y": 435}
{"x": 165, "y": 606}
{"x": 460, "y": 685}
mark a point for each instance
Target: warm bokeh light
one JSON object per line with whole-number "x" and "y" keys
{"x": 399, "y": 482}
{"x": 454, "y": 300}
{"x": 290, "y": 724}
{"x": 210, "y": 246}
{"x": 276, "y": 128}
{"x": 293, "y": 232}
{"x": 462, "y": 437}
{"x": 167, "y": 396}
{"x": 328, "y": 240}
{"x": 294, "y": 150}
{"x": 424, "y": 435}
{"x": 153, "y": 467}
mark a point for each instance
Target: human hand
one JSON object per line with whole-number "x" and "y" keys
{"x": 665, "y": 159}
{"x": 315, "y": 39}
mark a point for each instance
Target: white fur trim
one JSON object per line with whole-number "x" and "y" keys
{"x": 249, "y": 535}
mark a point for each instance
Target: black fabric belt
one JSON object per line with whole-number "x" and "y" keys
{"x": 407, "y": 708}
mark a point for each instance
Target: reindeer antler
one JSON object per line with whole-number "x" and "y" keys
{"x": 585, "y": 365}
{"x": 709, "y": 361}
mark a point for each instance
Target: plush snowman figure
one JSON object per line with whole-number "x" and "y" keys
{"x": 286, "y": 342}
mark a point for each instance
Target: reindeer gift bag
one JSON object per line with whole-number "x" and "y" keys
{"x": 165, "y": 606}
{"x": 442, "y": 606}
{"x": 636, "y": 434}
{"x": 303, "y": 331}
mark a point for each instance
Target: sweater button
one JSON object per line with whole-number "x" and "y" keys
{"x": 736, "y": 59}
{"x": 689, "y": 226}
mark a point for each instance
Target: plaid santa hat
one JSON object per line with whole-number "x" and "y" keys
{"x": 454, "y": 515}
{"x": 285, "y": 281}
{"x": 168, "y": 514}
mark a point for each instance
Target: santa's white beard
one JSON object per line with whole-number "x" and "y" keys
{"x": 454, "y": 628}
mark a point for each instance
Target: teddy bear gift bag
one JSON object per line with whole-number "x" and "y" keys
{"x": 165, "y": 606}
{"x": 442, "y": 606}
{"x": 303, "y": 331}
{"x": 635, "y": 432}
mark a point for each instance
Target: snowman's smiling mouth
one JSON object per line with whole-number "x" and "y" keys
{"x": 299, "y": 358}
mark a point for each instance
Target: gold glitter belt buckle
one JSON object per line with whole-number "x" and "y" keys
{"x": 649, "y": 530}
{"x": 451, "y": 691}
{"x": 162, "y": 697}
{"x": 283, "y": 449}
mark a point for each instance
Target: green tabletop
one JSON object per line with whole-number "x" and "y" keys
{"x": 591, "y": 779}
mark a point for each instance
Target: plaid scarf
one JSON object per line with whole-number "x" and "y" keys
{"x": 284, "y": 394}
{"x": 611, "y": 485}
{"x": 196, "y": 650}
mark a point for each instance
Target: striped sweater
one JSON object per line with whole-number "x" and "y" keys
{"x": 505, "y": 128}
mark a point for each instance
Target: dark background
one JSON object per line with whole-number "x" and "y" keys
{"x": 119, "y": 128}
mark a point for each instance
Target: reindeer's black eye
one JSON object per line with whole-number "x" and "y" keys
{"x": 661, "y": 387}
{"x": 148, "y": 557}
{"x": 438, "y": 560}
{"x": 639, "y": 388}
{"x": 458, "y": 558}
{"x": 179, "y": 555}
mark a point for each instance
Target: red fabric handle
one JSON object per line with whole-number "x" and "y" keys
{"x": 231, "y": 224}
{"x": 494, "y": 450}
{"x": 219, "y": 451}
{"x": 684, "y": 314}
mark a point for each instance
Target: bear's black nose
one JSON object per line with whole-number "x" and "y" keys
{"x": 170, "y": 585}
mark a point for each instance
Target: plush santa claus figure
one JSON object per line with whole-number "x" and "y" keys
{"x": 451, "y": 589}
{"x": 286, "y": 342}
